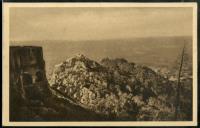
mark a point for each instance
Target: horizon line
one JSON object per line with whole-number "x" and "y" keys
{"x": 185, "y": 36}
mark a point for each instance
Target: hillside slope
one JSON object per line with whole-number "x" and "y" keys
{"x": 116, "y": 88}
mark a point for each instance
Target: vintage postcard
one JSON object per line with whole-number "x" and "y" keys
{"x": 99, "y": 64}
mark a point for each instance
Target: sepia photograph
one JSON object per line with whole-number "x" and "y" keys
{"x": 100, "y": 64}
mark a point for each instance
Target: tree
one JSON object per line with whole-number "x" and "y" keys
{"x": 178, "y": 85}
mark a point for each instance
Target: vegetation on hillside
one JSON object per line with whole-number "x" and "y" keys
{"x": 119, "y": 89}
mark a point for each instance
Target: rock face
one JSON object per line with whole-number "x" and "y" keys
{"x": 116, "y": 88}
{"x": 80, "y": 74}
{"x": 27, "y": 76}
{"x": 27, "y": 69}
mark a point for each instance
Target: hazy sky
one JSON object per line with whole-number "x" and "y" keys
{"x": 98, "y": 23}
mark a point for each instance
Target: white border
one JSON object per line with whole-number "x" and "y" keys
{"x": 5, "y": 89}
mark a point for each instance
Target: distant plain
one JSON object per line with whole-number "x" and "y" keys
{"x": 152, "y": 51}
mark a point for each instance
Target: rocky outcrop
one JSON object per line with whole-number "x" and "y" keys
{"x": 116, "y": 88}
{"x": 27, "y": 68}
{"x": 27, "y": 77}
